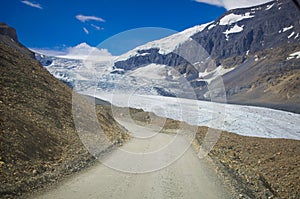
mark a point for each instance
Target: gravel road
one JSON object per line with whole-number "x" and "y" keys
{"x": 152, "y": 165}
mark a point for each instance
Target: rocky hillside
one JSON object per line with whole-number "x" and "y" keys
{"x": 38, "y": 141}
{"x": 260, "y": 44}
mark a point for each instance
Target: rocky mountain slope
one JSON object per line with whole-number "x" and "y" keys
{"x": 260, "y": 44}
{"x": 250, "y": 30}
{"x": 38, "y": 140}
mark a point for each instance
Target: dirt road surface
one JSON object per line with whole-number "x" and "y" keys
{"x": 152, "y": 165}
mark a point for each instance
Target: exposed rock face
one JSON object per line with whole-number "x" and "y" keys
{"x": 266, "y": 26}
{"x": 152, "y": 56}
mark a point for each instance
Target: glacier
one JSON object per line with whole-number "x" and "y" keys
{"x": 243, "y": 120}
{"x": 143, "y": 87}
{"x": 137, "y": 91}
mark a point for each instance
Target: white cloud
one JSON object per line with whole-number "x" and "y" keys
{"x": 84, "y": 18}
{"x": 31, "y": 4}
{"x": 232, "y": 4}
{"x": 86, "y": 31}
{"x": 96, "y": 27}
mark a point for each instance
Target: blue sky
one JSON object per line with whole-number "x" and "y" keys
{"x": 57, "y": 24}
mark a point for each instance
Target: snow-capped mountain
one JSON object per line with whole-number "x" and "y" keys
{"x": 166, "y": 45}
{"x": 238, "y": 32}
{"x": 255, "y": 43}
{"x": 254, "y": 50}
{"x": 82, "y": 51}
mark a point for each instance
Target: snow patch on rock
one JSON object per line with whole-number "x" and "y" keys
{"x": 295, "y": 55}
{"x": 287, "y": 28}
{"x": 270, "y": 6}
{"x": 233, "y": 18}
{"x": 235, "y": 29}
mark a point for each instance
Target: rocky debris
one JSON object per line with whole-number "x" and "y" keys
{"x": 258, "y": 167}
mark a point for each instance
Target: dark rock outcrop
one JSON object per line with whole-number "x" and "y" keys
{"x": 8, "y": 31}
{"x": 8, "y": 36}
{"x": 152, "y": 56}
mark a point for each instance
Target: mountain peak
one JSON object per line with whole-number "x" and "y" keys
{"x": 85, "y": 51}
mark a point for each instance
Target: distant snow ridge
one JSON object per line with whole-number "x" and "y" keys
{"x": 165, "y": 45}
{"x": 85, "y": 51}
{"x": 169, "y": 44}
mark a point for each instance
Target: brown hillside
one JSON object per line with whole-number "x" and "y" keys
{"x": 38, "y": 141}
